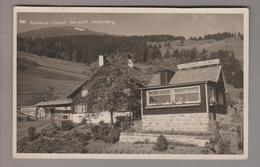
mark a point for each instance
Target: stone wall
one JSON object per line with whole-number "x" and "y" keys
{"x": 188, "y": 122}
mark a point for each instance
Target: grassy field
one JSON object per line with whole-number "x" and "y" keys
{"x": 62, "y": 75}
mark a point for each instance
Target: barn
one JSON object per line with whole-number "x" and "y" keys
{"x": 186, "y": 100}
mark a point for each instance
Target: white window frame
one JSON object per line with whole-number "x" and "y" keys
{"x": 187, "y": 87}
{"x": 172, "y": 98}
{"x": 148, "y": 97}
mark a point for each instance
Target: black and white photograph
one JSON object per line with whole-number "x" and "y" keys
{"x": 130, "y": 83}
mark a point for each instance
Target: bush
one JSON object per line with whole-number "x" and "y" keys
{"x": 51, "y": 130}
{"x": 105, "y": 133}
{"x": 67, "y": 125}
{"x": 113, "y": 136}
{"x": 82, "y": 137}
{"x": 224, "y": 147}
{"x": 32, "y": 133}
{"x": 161, "y": 144}
{"x": 99, "y": 132}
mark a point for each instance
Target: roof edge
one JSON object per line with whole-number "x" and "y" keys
{"x": 171, "y": 85}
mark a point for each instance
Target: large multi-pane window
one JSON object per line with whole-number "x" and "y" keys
{"x": 174, "y": 96}
{"x": 186, "y": 95}
{"x": 159, "y": 97}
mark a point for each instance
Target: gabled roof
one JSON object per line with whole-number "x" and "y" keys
{"x": 77, "y": 89}
{"x": 205, "y": 74}
{"x": 196, "y": 75}
{"x": 54, "y": 103}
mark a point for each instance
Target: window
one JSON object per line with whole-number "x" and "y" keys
{"x": 80, "y": 108}
{"x": 84, "y": 92}
{"x": 186, "y": 95}
{"x": 212, "y": 94}
{"x": 159, "y": 97}
{"x": 174, "y": 96}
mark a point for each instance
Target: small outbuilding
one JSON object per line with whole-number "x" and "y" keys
{"x": 186, "y": 100}
{"x": 55, "y": 109}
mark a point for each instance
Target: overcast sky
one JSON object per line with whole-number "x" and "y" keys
{"x": 136, "y": 24}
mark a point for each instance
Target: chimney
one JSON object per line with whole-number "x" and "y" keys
{"x": 100, "y": 60}
{"x": 166, "y": 76}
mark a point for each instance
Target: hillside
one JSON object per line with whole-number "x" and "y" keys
{"x": 35, "y": 73}
{"x": 57, "y": 31}
{"x": 232, "y": 43}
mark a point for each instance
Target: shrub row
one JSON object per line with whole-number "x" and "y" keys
{"x": 105, "y": 132}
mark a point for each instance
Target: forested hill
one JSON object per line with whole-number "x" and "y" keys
{"x": 151, "y": 49}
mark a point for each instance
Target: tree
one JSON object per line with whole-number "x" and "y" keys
{"x": 167, "y": 54}
{"x": 113, "y": 87}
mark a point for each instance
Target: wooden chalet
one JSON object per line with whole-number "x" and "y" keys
{"x": 186, "y": 99}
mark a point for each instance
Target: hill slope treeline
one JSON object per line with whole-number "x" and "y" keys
{"x": 85, "y": 49}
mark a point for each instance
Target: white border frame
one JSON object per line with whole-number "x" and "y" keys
{"x": 243, "y": 11}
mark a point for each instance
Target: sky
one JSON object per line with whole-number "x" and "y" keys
{"x": 135, "y": 23}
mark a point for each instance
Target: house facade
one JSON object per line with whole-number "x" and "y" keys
{"x": 186, "y": 100}
{"x": 77, "y": 106}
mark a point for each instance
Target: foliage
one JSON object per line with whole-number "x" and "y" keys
{"x": 113, "y": 136}
{"x": 82, "y": 137}
{"x": 43, "y": 145}
{"x": 161, "y": 144}
{"x": 66, "y": 125}
{"x": 85, "y": 50}
{"x": 219, "y": 36}
{"x": 224, "y": 147}
{"x": 216, "y": 144}
{"x": 50, "y": 131}
{"x": 32, "y": 133}
{"x": 105, "y": 132}
{"x": 113, "y": 87}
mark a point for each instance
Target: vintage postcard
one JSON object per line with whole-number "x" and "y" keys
{"x": 130, "y": 83}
